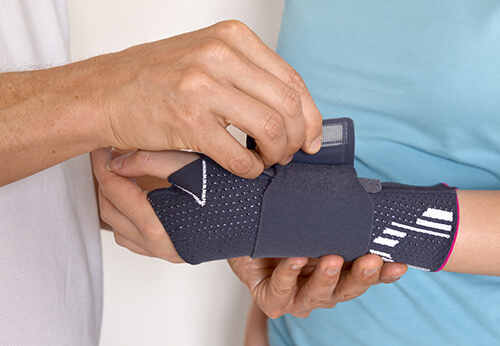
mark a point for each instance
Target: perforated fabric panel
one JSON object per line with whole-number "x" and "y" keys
{"x": 222, "y": 224}
{"x": 414, "y": 225}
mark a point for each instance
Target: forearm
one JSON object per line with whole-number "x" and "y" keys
{"x": 45, "y": 118}
{"x": 255, "y": 327}
{"x": 476, "y": 249}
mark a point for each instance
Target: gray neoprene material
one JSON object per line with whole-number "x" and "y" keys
{"x": 314, "y": 210}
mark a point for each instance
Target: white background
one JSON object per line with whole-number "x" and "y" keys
{"x": 148, "y": 301}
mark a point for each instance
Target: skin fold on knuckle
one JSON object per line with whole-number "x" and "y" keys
{"x": 296, "y": 82}
{"x": 313, "y": 302}
{"x": 281, "y": 290}
{"x": 292, "y": 104}
{"x": 273, "y": 127}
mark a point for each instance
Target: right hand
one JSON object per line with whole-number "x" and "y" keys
{"x": 182, "y": 93}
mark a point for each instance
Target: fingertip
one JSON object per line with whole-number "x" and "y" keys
{"x": 297, "y": 263}
{"x": 368, "y": 265}
{"x": 371, "y": 260}
{"x": 314, "y": 146}
{"x": 333, "y": 260}
{"x": 393, "y": 270}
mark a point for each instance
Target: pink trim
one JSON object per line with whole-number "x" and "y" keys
{"x": 455, "y": 237}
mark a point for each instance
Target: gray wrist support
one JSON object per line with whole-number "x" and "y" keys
{"x": 314, "y": 206}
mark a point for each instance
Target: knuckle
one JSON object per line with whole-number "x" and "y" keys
{"x": 314, "y": 302}
{"x": 104, "y": 213}
{"x": 329, "y": 305}
{"x": 303, "y": 314}
{"x": 281, "y": 291}
{"x": 152, "y": 234}
{"x": 273, "y": 126}
{"x": 194, "y": 80}
{"x": 231, "y": 28}
{"x": 346, "y": 296}
{"x": 292, "y": 103}
{"x": 214, "y": 50}
{"x": 118, "y": 239}
{"x": 104, "y": 210}
{"x": 297, "y": 83}
{"x": 274, "y": 313}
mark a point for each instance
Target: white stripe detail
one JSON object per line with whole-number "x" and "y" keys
{"x": 395, "y": 233}
{"x": 386, "y": 241}
{"x": 438, "y": 214}
{"x": 443, "y": 235}
{"x": 419, "y": 268}
{"x": 381, "y": 254}
{"x": 386, "y": 259}
{"x": 203, "y": 199}
{"x": 435, "y": 225}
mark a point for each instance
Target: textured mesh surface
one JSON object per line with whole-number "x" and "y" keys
{"x": 414, "y": 225}
{"x": 225, "y": 226}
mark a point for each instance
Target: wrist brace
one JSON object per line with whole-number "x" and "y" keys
{"x": 314, "y": 206}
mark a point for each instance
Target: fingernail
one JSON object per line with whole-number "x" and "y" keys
{"x": 331, "y": 271}
{"x": 288, "y": 160}
{"x": 315, "y": 145}
{"x": 393, "y": 278}
{"x": 115, "y": 164}
{"x": 295, "y": 267}
{"x": 370, "y": 272}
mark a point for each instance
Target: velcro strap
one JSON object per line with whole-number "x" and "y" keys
{"x": 312, "y": 210}
{"x": 337, "y": 144}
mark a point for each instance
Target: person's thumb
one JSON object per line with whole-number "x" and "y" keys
{"x": 158, "y": 164}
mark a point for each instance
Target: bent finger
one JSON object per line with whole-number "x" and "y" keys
{"x": 318, "y": 289}
{"x": 222, "y": 147}
{"x": 358, "y": 279}
{"x": 282, "y": 286}
{"x": 159, "y": 164}
{"x": 265, "y": 87}
{"x": 265, "y": 124}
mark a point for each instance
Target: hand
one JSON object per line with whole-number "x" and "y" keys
{"x": 182, "y": 93}
{"x": 124, "y": 206}
{"x": 299, "y": 285}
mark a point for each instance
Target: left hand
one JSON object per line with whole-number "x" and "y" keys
{"x": 123, "y": 203}
{"x": 299, "y": 285}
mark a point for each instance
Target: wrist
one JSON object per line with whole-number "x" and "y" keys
{"x": 68, "y": 100}
{"x": 414, "y": 225}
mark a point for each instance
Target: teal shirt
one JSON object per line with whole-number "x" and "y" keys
{"x": 421, "y": 79}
